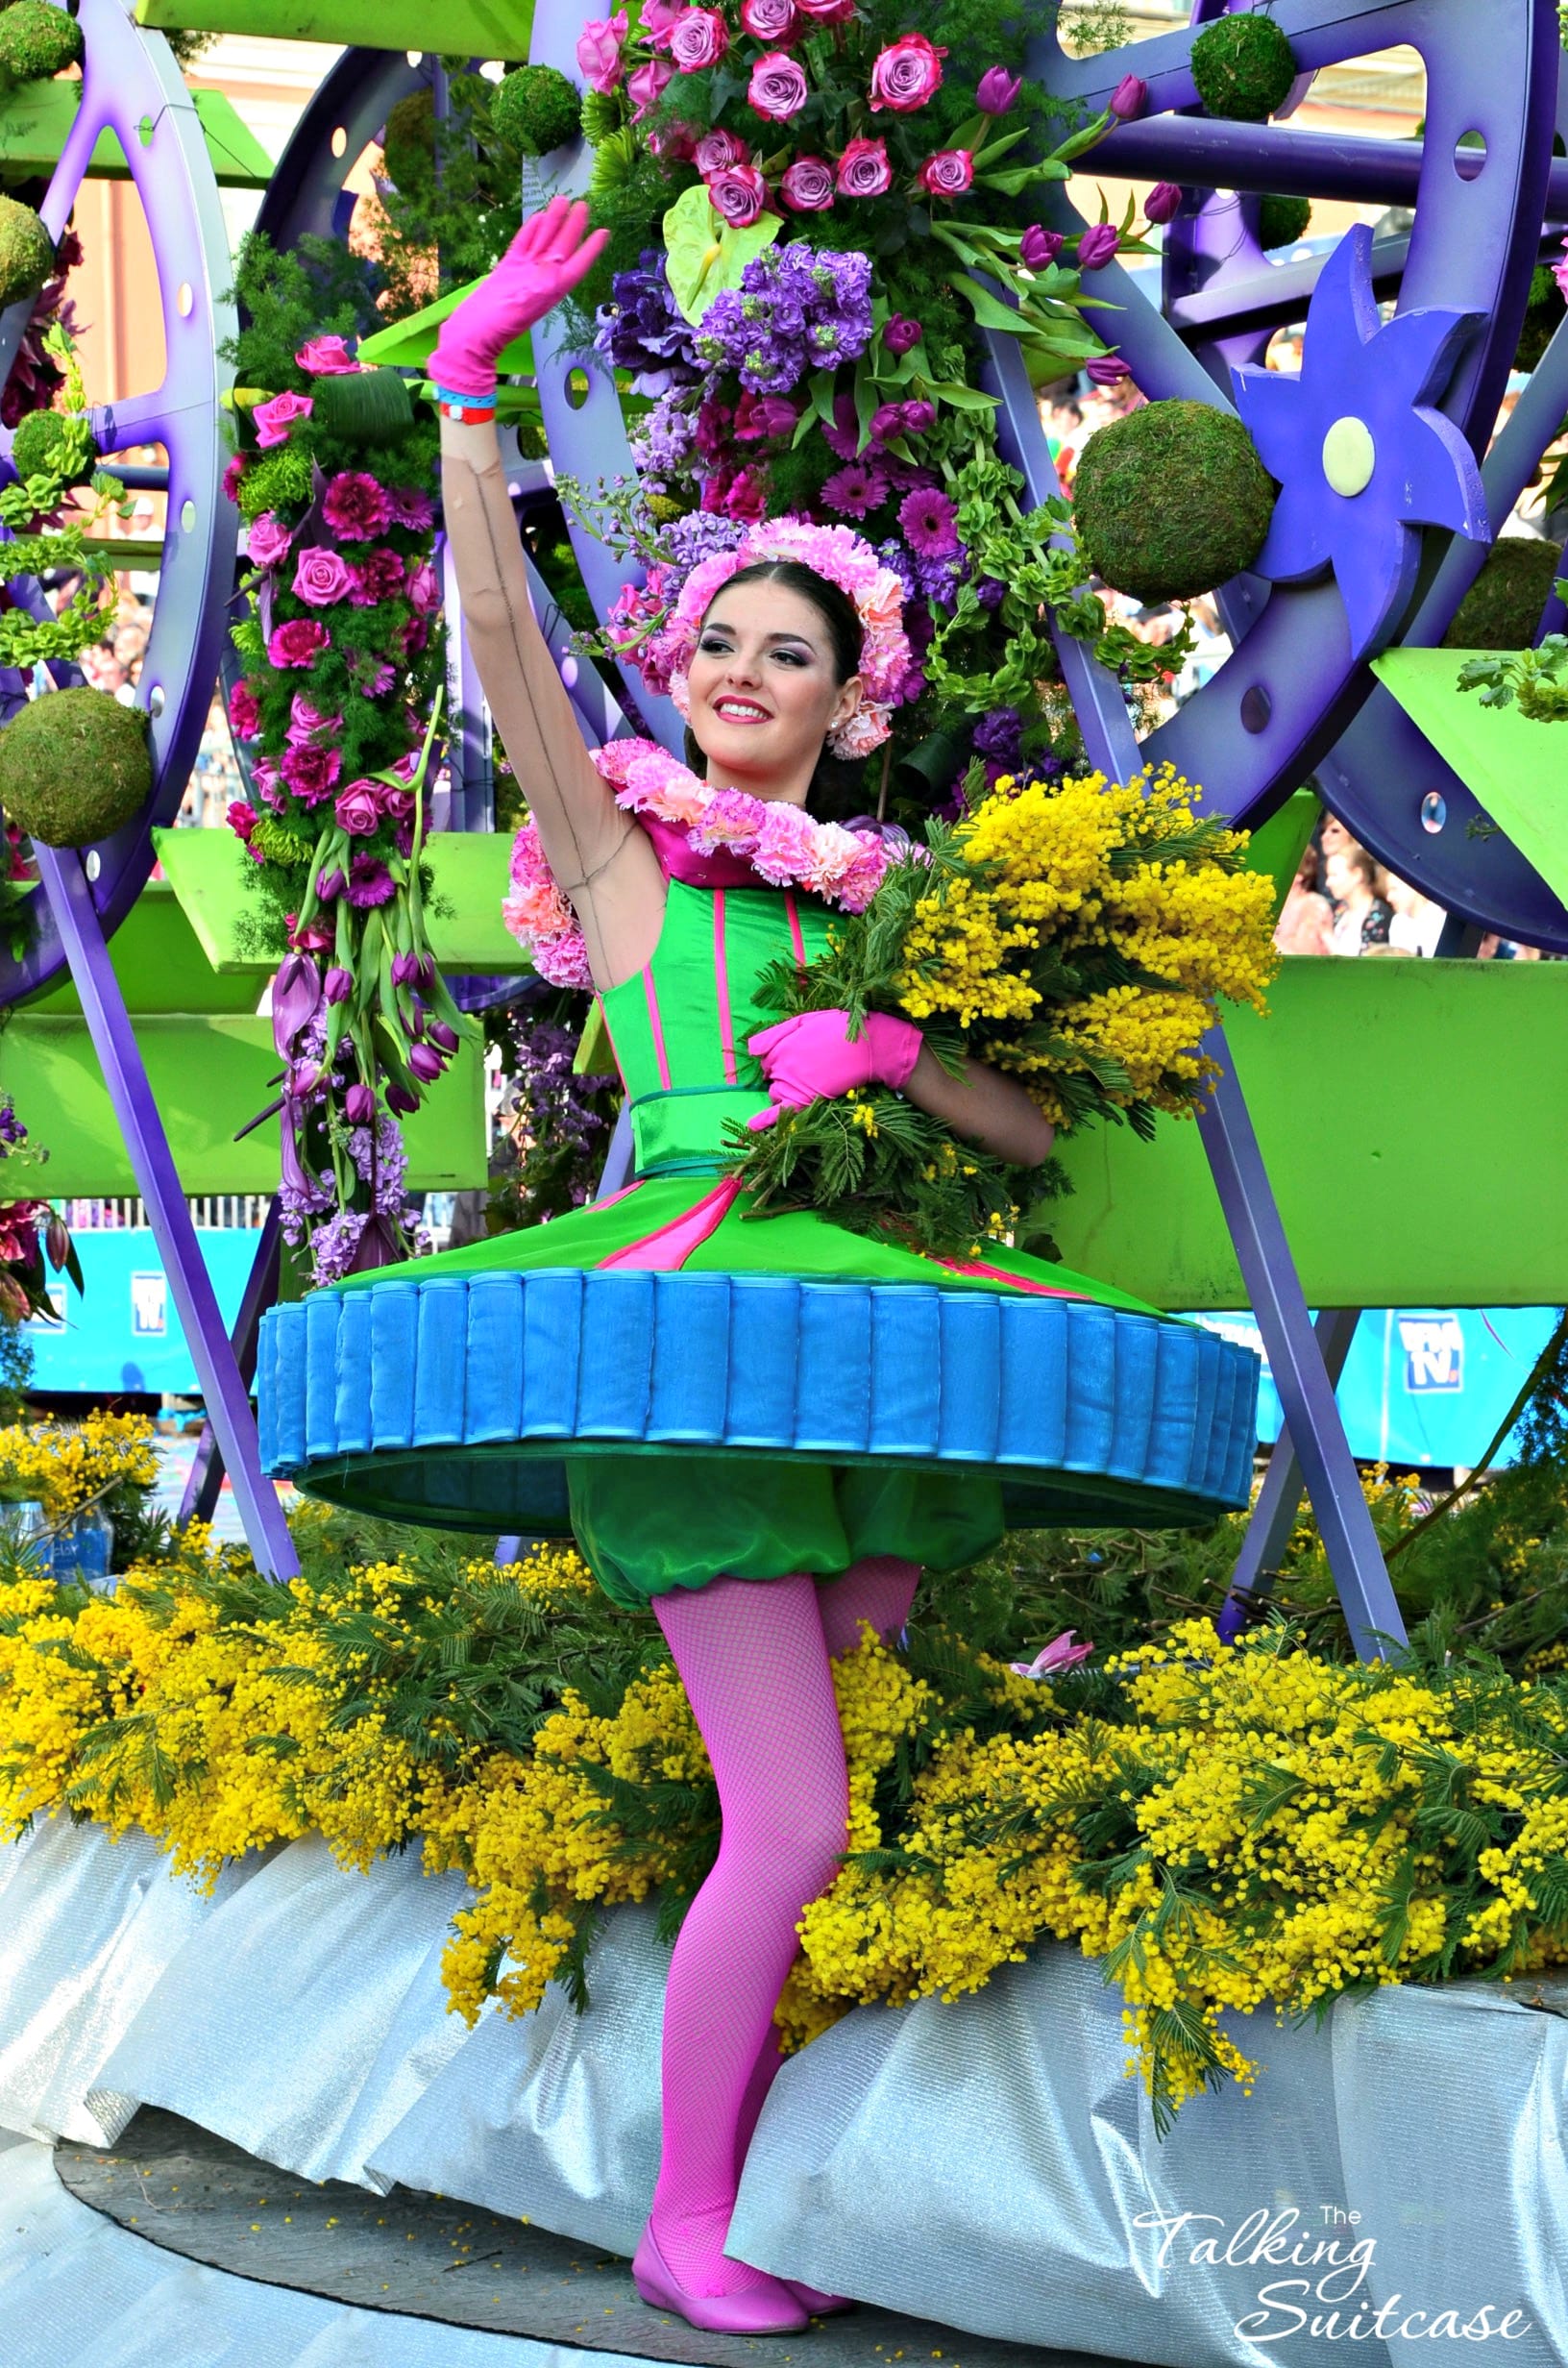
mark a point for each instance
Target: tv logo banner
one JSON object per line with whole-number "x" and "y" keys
{"x": 1433, "y": 1348}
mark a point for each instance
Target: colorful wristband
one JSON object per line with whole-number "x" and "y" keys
{"x": 470, "y": 410}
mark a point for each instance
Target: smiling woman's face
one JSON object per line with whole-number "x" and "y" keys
{"x": 763, "y": 688}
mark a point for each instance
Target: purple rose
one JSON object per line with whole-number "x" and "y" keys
{"x": 777, "y": 88}
{"x": 1097, "y": 245}
{"x": 716, "y": 151}
{"x": 906, "y": 74}
{"x": 297, "y": 643}
{"x": 947, "y": 173}
{"x": 774, "y": 21}
{"x": 423, "y": 589}
{"x": 1163, "y": 203}
{"x": 900, "y": 335}
{"x": 356, "y": 507}
{"x": 999, "y": 92}
{"x": 1129, "y": 99}
{"x": 599, "y": 46}
{"x": 377, "y": 576}
{"x": 359, "y": 809}
{"x": 807, "y": 186}
{"x": 311, "y": 772}
{"x": 1040, "y": 248}
{"x": 274, "y": 420}
{"x": 326, "y": 358}
{"x": 321, "y": 576}
{"x": 864, "y": 169}
{"x": 739, "y": 194}
{"x": 698, "y": 41}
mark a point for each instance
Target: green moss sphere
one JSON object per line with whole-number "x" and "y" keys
{"x": 1171, "y": 500}
{"x": 1243, "y": 67}
{"x": 37, "y": 42}
{"x": 1502, "y": 610}
{"x": 27, "y": 251}
{"x": 536, "y": 109}
{"x": 409, "y": 139}
{"x": 74, "y": 767}
{"x": 1283, "y": 220}
{"x": 36, "y": 448}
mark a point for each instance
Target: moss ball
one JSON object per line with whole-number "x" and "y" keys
{"x": 409, "y": 139}
{"x": 37, "y": 42}
{"x": 36, "y": 448}
{"x": 1502, "y": 610}
{"x": 74, "y": 767}
{"x": 1243, "y": 67}
{"x": 274, "y": 481}
{"x": 536, "y": 109}
{"x": 1283, "y": 220}
{"x": 27, "y": 251}
{"x": 1171, "y": 500}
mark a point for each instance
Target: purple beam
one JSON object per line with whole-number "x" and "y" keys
{"x": 1311, "y": 1412}
{"x": 228, "y": 1404}
{"x": 1200, "y": 153}
{"x": 1274, "y": 1516}
{"x": 200, "y": 1497}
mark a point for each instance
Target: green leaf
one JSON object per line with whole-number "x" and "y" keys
{"x": 988, "y": 309}
{"x": 704, "y": 253}
{"x": 959, "y": 397}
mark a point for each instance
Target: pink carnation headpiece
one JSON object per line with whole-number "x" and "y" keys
{"x": 843, "y": 557}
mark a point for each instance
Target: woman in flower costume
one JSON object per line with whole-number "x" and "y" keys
{"x": 762, "y": 1428}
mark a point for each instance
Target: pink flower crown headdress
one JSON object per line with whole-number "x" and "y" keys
{"x": 843, "y": 557}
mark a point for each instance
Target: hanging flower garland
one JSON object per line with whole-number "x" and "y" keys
{"x": 33, "y": 1239}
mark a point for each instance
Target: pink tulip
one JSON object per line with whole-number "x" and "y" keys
{"x": 600, "y": 51}
{"x": 1060, "y": 1654}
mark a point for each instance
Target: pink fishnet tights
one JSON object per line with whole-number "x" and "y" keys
{"x": 754, "y": 1658}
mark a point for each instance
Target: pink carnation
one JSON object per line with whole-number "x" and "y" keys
{"x": 377, "y": 576}
{"x": 244, "y": 714}
{"x": 311, "y": 772}
{"x": 274, "y": 419}
{"x": 356, "y": 506}
{"x": 297, "y": 643}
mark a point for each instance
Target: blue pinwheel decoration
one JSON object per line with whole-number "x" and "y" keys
{"x": 1362, "y": 458}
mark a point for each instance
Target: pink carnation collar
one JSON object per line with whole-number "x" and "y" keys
{"x": 783, "y": 846}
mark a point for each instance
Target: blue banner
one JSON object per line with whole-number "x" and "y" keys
{"x": 124, "y": 1334}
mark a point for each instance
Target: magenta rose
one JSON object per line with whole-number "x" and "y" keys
{"x": 599, "y": 47}
{"x": 269, "y": 539}
{"x": 698, "y": 41}
{"x": 398, "y": 804}
{"x": 264, "y": 779}
{"x": 410, "y": 507}
{"x": 864, "y": 169}
{"x": 647, "y": 87}
{"x": 297, "y": 643}
{"x": 359, "y": 809}
{"x": 423, "y": 589}
{"x": 274, "y": 419}
{"x": 660, "y": 18}
{"x": 1097, "y": 245}
{"x": 777, "y": 88}
{"x": 947, "y": 173}
{"x": 676, "y": 140}
{"x": 356, "y": 506}
{"x": 807, "y": 188}
{"x": 311, "y": 772}
{"x": 717, "y": 151}
{"x": 377, "y": 576}
{"x": 907, "y": 73}
{"x": 774, "y": 21}
{"x": 326, "y": 358}
{"x": 244, "y": 714}
{"x": 739, "y": 194}
{"x": 321, "y": 576}
{"x": 1038, "y": 247}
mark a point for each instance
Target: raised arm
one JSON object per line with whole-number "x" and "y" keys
{"x": 601, "y": 861}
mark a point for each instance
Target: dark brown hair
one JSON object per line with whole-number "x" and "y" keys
{"x": 837, "y": 785}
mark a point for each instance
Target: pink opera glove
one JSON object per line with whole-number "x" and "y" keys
{"x": 544, "y": 260}
{"x": 814, "y": 1057}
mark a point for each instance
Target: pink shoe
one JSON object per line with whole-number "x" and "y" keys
{"x": 771, "y": 2310}
{"x": 820, "y": 2304}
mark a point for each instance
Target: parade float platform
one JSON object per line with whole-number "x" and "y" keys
{"x": 982, "y": 2164}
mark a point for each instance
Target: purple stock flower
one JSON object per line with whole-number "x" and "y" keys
{"x": 642, "y": 330}
{"x": 1000, "y": 734}
{"x": 797, "y": 309}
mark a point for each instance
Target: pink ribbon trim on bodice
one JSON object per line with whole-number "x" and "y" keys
{"x": 678, "y": 859}
{"x": 669, "y": 1247}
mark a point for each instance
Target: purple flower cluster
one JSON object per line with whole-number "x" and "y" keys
{"x": 644, "y": 331}
{"x": 795, "y": 310}
{"x": 13, "y": 1133}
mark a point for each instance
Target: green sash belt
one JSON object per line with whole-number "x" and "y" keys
{"x": 681, "y": 1132}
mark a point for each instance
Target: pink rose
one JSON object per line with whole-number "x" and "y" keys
{"x": 264, "y": 779}
{"x": 422, "y": 588}
{"x": 739, "y": 194}
{"x": 396, "y": 805}
{"x": 306, "y": 723}
{"x": 826, "y": 12}
{"x": 807, "y": 188}
{"x": 377, "y": 576}
{"x": 863, "y": 170}
{"x": 600, "y": 45}
{"x": 776, "y": 21}
{"x": 321, "y": 576}
{"x": 698, "y": 41}
{"x": 777, "y": 88}
{"x": 947, "y": 173}
{"x": 297, "y": 643}
{"x": 676, "y": 140}
{"x": 717, "y": 151}
{"x": 906, "y": 74}
{"x": 244, "y": 714}
{"x": 311, "y": 772}
{"x": 358, "y": 810}
{"x": 274, "y": 419}
{"x": 356, "y": 506}
{"x": 269, "y": 539}
{"x": 326, "y": 358}
{"x": 647, "y": 87}
{"x": 660, "y": 18}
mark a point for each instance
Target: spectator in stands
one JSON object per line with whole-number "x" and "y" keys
{"x": 1361, "y": 915}
{"x": 1306, "y": 922}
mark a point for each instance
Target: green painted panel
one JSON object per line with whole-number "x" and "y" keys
{"x": 210, "y": 1074}
{"x": 409, "y": 344}
{"x": 467, "y": 28}
{"x": 1412, "y": 1127}
{"x": 209, "y": 874}
{"x": 1514, "y": 768}
{"x": 1276, "y": 846}
{"x": 36, "y": 118}
{"x": 160, "y": 965}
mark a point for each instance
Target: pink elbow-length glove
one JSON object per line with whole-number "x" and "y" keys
{"x": 546, "y": 260}
{"x": 814, "y": 1057}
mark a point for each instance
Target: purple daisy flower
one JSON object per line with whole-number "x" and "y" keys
{"x": 927, "y": 518}
{"x": 854, "y": 490}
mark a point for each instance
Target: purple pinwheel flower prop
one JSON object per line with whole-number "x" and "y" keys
{"x": 1362, "y": 458}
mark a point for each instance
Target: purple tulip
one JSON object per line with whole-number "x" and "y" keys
{"x": 918, "y": 416}
{"x": 338, "y": 984}
{"x": 900, "y": 335}
{"x": 425, "y": 1064}
{"x": 359, "y": 1106}
{"x": 1097, "y": 245}
{"x": 1163, "y": 203}
{"x": 439, "y": 1034}
{"x": 400, "y": 1099}
{"x": 1129, "y": 99}
{"x": 999, "y": 92}
{"x": 329, "y": 886}
{"x": 405, "y": 969}
{"x": 296, "y": 998}
{"x": 1038, "y": 247}
{"x": 303, "y": 1080}
{"x": 57, "y": 1243}
{"x": 1107, "y": 370}
{"x": 426, "y": 972}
